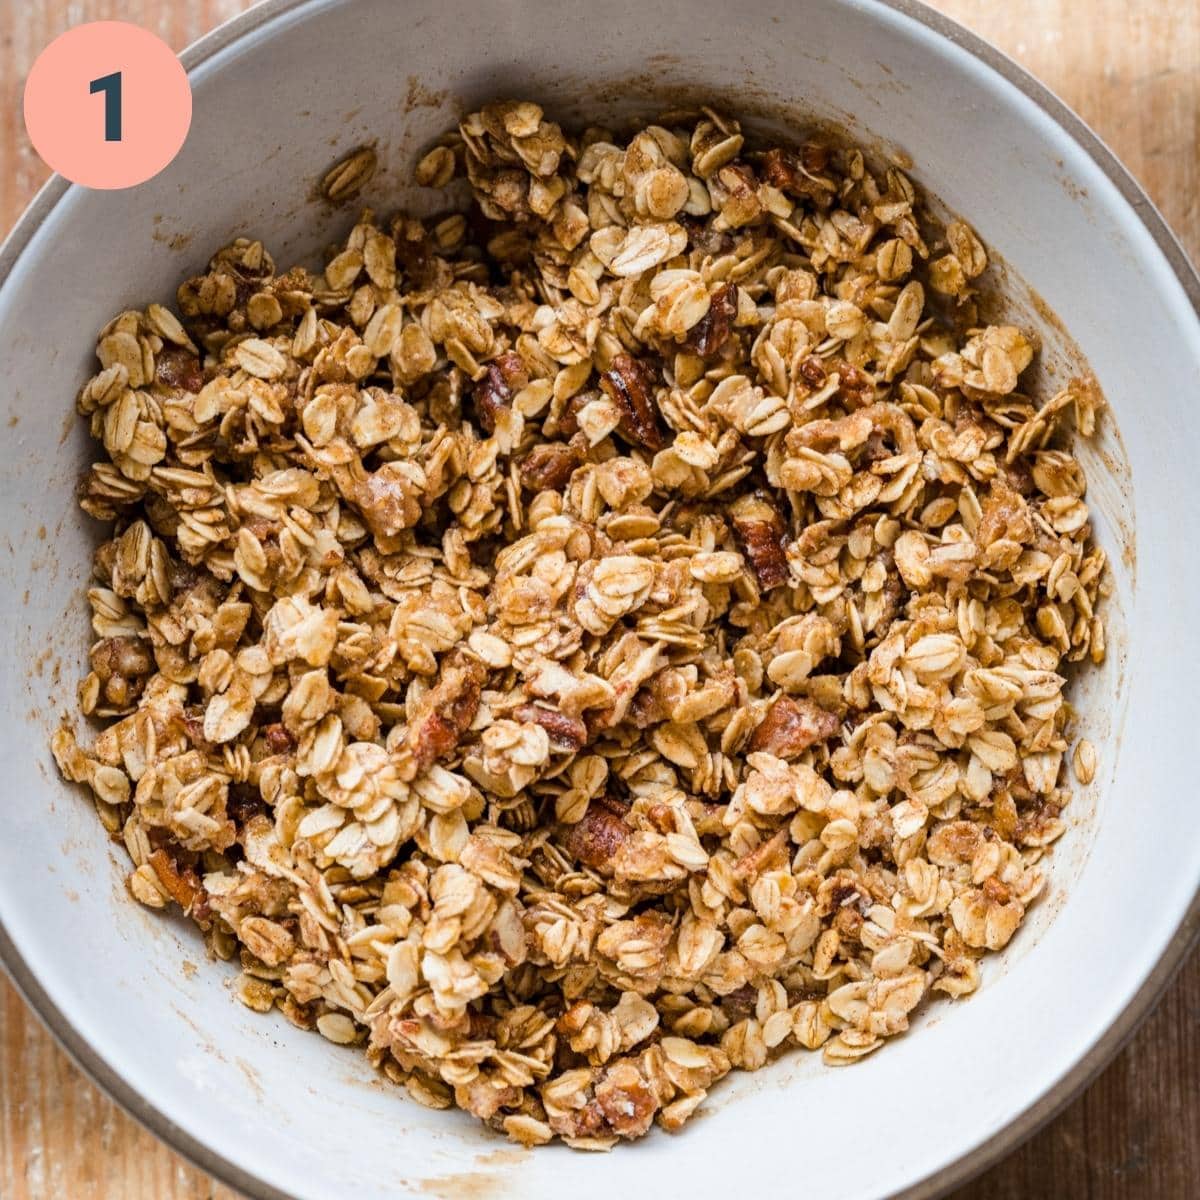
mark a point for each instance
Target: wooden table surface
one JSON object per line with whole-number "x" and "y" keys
{"x": 1131, "y": 68}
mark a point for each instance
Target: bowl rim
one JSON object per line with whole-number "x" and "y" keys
{"x": 1041, "y": 1110}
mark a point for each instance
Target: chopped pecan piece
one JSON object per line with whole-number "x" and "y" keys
{"x": 584, "y": 1122}
{"x": 388, "y": 499}
{"x": 631, "y": 387}
{"x": 121, "y": 664}
{"x": 595, "y": 840}
{"x": 175, "y": 367}
{"x": 799, "y": 175}
{"x": 812, "y": 371}
{"x": 126, "y": 656}
{"x": 893, "y": 594}
{"x": 791, "y": 726}
{"x": 192, "y": 720}
{"x": 760, "y": 529}
{"x": 567, "y": 734}
{"x": 504, "y": 377}
{"x": 779, "y": 169}
{"x": 996, "y": 890}
{"x": 626, "y": 1099}
{"x": 483, "y": 1099}
{"x": 814, "y": 156}
{"x": 712, "y": 331}
{"x": 854, "y": 384}
{"x": 567, "y": 425}
{"x": 278, "y": 739}
{"x": 1036, "y": 828}
{"x": 548, "y": 466}
{"x": 447, "y": 710}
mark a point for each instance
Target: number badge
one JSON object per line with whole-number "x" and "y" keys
{"x": 107, "y": 104}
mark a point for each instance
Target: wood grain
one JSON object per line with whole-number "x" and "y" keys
{"x": 1132, "y": 70}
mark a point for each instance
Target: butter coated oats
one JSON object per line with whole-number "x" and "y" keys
{"x": 577, "y": 648}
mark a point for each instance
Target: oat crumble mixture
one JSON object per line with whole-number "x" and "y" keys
{"x": 580, "y": 647}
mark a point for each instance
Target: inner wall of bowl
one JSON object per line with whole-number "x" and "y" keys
{"x": 272, "y": 112}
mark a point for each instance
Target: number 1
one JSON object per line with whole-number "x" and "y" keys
{"x": 110, "y": 85}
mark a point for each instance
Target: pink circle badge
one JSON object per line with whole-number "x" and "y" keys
{"x": 107, "y": 104}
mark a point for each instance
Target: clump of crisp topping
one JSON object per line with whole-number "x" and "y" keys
{"x": 575, "y": 649}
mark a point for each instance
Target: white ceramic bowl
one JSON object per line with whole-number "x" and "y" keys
{"x": 279, "y": 94}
